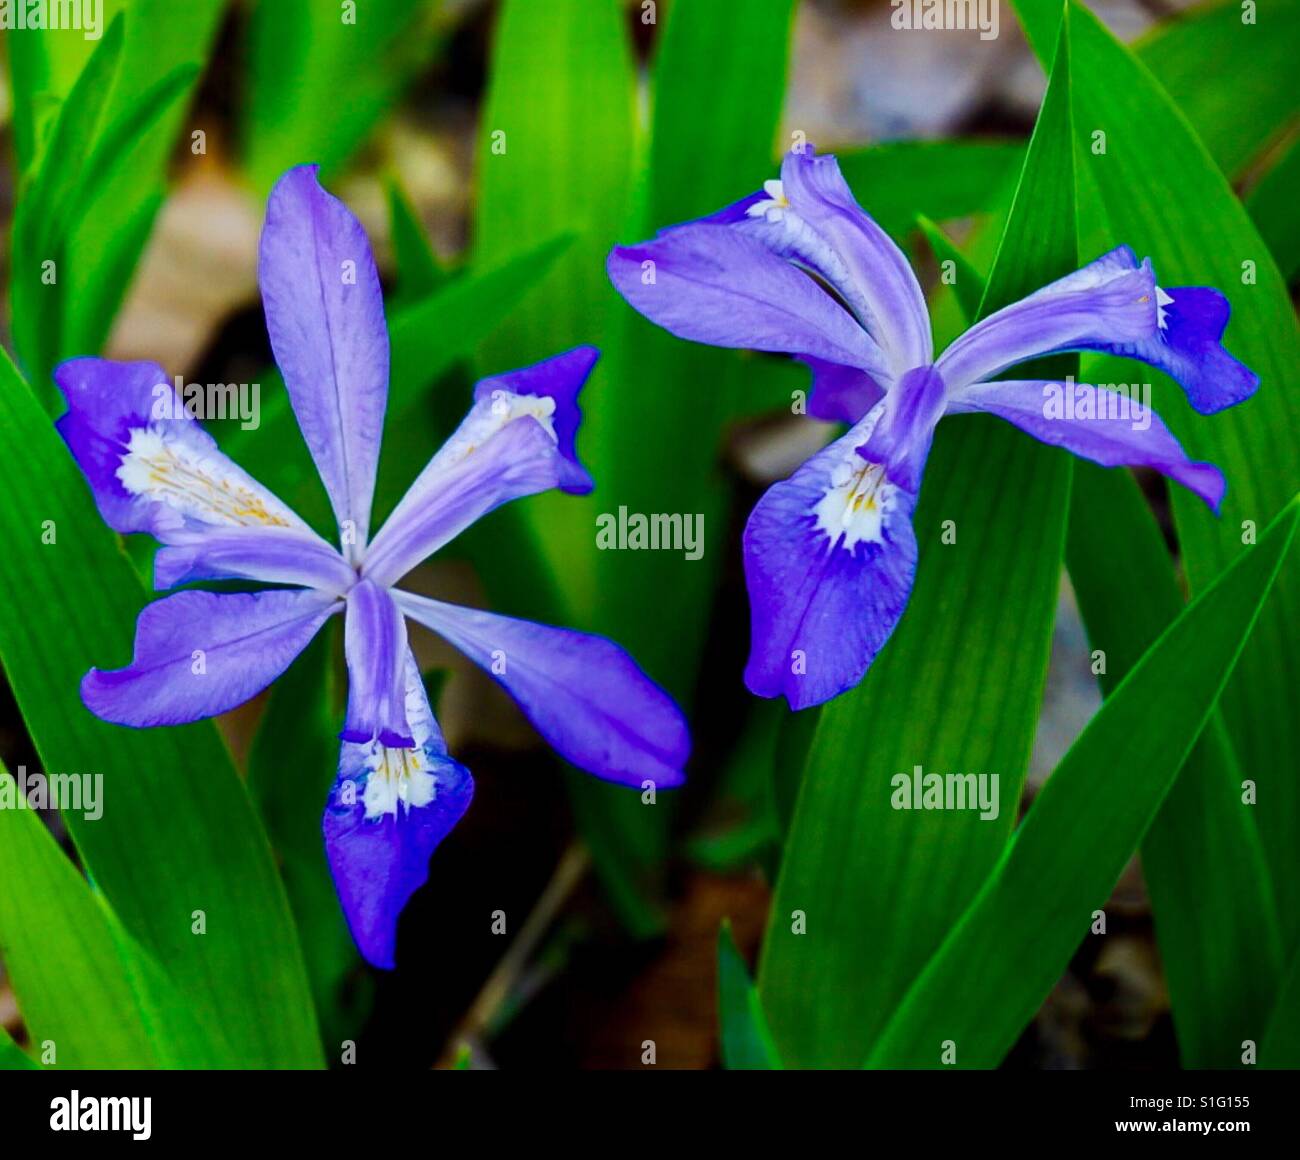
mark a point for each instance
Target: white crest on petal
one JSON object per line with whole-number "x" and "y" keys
{"x": 196, "y": 482}
{"x": 1162, "y": 300}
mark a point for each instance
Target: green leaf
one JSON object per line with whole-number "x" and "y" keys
{"x": 179, "y": 835}
{"x": 1272, "y": 207}
{"x": 419, "y": 273}
{"x": 1193, "y": 53}
{"x": 1281, "y": 1044}
{"x": 1161, "y": 192}
{"x": 746, "y": 1041}
{"x": 318, "y": 81}
{"x": 101, "y": 179}
{"x": 898, "y": 180}
{"x": 58, "y": 950}
{"x": 13, "y": 1057}
{"x": 957, "y": 689}
{"x": 1016, "y": 937}
{"x": 1215, "y": 915}
{"x": 968, "y": 284}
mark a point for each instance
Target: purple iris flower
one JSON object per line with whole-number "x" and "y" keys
{"x": 800, "y": 268}
{"x": 152, "y": 468}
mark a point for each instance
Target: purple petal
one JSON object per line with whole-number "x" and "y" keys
{"x": 829, "y": 561}
{"x": 1188, "y": 348}
{"x": 325, "y": 315}
{"x": 270, "y": 555}
{"x": 505, "y": 448}
{"x": 826, "y": 230}
{"x": 718, "y": 285}
{"x": 560, "y": 379}
{"x": 1114, "y": 306}
{"x": 198, "y": 654}
{"x": 150, "y": 465}
{"x": 375, "y": 643}
{"x": 1097, "y": 424}
{"x": 1111, "y": 300}
{"x": 582, "y": 693}
{"x": 388, "y": 810}
{"x": 840, "y": 394}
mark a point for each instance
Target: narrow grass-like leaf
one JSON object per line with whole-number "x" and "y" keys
{"x": 1215, "y": 915}
{"x": 1162, "y": 193}
{"x": 1257, "y": 47}
{"x": 179, "y": 852}
{"x": 320, "y": 76}
{"x": 1281, "y": 1045}
{"x": 52, "y": 932}
{"x": 866, "y": 892}
{"x": 1016, "y": 937}
{"x": 1272, "y": 208}
{"x": 746, "y": 1041}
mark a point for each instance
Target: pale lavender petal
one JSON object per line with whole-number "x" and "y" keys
{"x": 1113, "y": 306}
{"x": 505, "y": 448}
{"x": 829, "y": 559}
{"x": 269, "y": 555}
{"x": 375, "y": 644}
{"x": 388, "y": 810}
{"x": 840, "y": 394}
{"x": 1110, "y": 301}
{"x": 582, "y": 693}
{"x": 198, "y": 654}
{"x": 826, "y": 230}
{"x": 1110, "y": 428}
{"x": 714, "y": 284}
{"x": 325, "y": 315}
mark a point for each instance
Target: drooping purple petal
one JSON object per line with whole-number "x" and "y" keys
{"x": 829, "y": 559}
{"x": 1113, "y": 429}
{"x": 388, "y": 810}
{"x": 150, "y": 465}
{"x": 560, "y": 379}
{"x": 325, "y": 315}
{"x": 903, "y": 428}
{"x": 826, "y": 230}
{"x": 198, "y": 654}
{"x": 1188, "y": 347}
{"x": 375, "y": 644}
{"x": 269, "y": 555}
{"x": 714, "y": 284}
{"x": 840, "y": 394}
{"x": 582, "y": 693}
{"x": 504, "y": 449}
{"x": 1114, "y": 306}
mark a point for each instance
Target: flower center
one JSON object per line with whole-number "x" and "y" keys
{"x": 397, "y": 776}
{"x": 194, "y": 484}
{"x": 854, "y": 508}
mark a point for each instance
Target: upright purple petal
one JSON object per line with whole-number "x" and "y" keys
{"x": 325, "y": 315}
{"x": 1105, "y": 426}
{"x": 840, "y": 394}
{"x": 819, "y": 223}
{"x": 198, "y": 654}
{"x": 582, "y": 693}
{"x": 1114, "y": 306}
{"x": 375, "y": 644}
{"x": 388, "y": 810}
{"x": 508, "y": 446}
{"x": 829, "y": 559}
{"x": 719, "y": 285}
